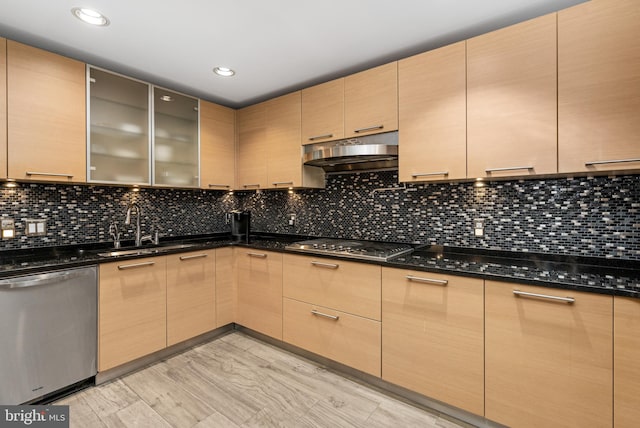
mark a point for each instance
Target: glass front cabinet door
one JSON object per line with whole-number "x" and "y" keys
{"x": 118, "y": 124}
{"x": 176, "y": 139}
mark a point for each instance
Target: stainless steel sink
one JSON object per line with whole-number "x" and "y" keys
{"x": 144, "y": 251}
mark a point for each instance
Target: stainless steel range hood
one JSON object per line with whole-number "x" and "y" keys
{"x": 371, "y": 152}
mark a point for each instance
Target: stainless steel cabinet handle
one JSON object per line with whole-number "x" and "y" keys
{"x": 225, "y": 186}
{"x": 50, "y": 174}
{"x": 259, "y": 255}
{"x": 320, "y": 314}
{"x": 277, "y": 183}
{"x": 136, "y": 265}
{"x": 519, "y": 293}
{"x": 326, "y": 265}
{"x": 320, "y": 137}
{"x": 251, "y": 185}
{"x": 428, "y": 174}
{"x": 427, "y": 280}
{"x": 510, "y": 168}
{"x": 370, "y": 128}
{"x": 195, "y": 256}
{"x": 610, "y": 161}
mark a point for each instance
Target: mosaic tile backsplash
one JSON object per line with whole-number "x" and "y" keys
{"x": 597, "y": 216}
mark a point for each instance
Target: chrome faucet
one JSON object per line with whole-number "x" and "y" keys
{"x": 134, "y": 208}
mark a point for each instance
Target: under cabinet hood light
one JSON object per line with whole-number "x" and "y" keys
{"x": 224, "y": 71}
{"x": 90, "y": 16}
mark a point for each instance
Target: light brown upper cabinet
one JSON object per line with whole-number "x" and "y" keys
{"x": 432, "y": 115}
{"x": 3, "y": 107}
{"x": 548, "y": 357}
{"x": 217, "y": 146}
{"x": 323, "y": 112}
{"x": 284, "y": 160}
{"x": 359, "y": 104}
{"x": 598, "y": 86}
{"x": 371, "y": 101}
{"x": 512, "y": 100}
{"x": 46, "y": 115}
{"x": 626, "y": 349}
{"x": 252, "y": 147}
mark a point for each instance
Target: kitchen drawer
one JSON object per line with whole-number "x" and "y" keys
{"x": 349, "y": 287}
{"x": 347, "y": 339}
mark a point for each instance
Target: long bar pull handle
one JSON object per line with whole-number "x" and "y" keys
{"x": 320, "y": 137}
{"x": 50, "y": 174}
{"x": 136, "y": 265}
{"x": 195, "y": 256}
{"x": 367, "y": 129}
{"x": 320, "y": 314}
{"x": 326, "y": 265}
{"x": 611, "y": 161}
{"x": 251, "y": 185}
{"x": 278, "y": 183}
{"x": 258, "y": 255}
{"x": 519, "y": 293}
{"x": 429, "y": 174}
{"x": 510, "y": 168}
{"x": 427, "y": 280}
{"x": 224, "y": 186}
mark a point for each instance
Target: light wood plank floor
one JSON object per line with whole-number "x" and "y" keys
{"x": 238, "y": 381}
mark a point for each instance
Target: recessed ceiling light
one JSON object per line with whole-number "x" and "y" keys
{"x": 90, "y": 16}
{"x": 166, "y": 98}
{"x": 224, "y": 71}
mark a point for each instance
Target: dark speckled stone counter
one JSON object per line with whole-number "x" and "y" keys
{"x": 604, "y": 276}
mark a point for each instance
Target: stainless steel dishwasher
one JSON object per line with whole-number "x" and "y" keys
{"x": 48, "y": 329}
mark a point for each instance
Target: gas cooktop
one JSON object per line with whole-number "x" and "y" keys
{"x": 364, "y": 250}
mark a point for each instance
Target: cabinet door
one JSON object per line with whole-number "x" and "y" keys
{"x": 260, "y": 291}
{"x": 176, "y": 147}
{"x": 598, "y": 89}
{"x": 323, "y": 112}
{"x": 132, "y": 317}
{"x": 46, "y": 115}
{"x": 371, "y": 101}
{"x": 252, "y": 147}
{"x": 349, "y": 287}
{"x": 217, "y": 146}
{"x": 433, "y": 115}
{"x": 626, "y": 349}
{"x": 3, "y": 108}
{"x": 119, "y": 143}
{"x": 191, "y": 295}
{"x": 433, "y": 336}
{"x": 345, "y": 338}
{"x": 548, "y": 363}
{"x": 225, "y": 287}
{"x": 283, "y": 140}
{"x": 512, "y": 101}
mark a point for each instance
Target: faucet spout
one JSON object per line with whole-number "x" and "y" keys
{"x": 134, "y": 208}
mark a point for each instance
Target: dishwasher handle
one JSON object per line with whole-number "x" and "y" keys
{"x": 41, "y": 279}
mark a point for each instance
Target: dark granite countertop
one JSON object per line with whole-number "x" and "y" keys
{"x": 604, "y": 276}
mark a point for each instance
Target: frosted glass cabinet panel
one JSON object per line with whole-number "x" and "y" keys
{"x": 176, "y": 148}
{"x": 119, "y": 144}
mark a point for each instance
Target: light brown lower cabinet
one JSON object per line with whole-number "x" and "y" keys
{"x": 345, "y": 338}
{"x": 225, "y": 287}
{"x": 548, "y": 358}
{"x": 626, "y": 350}
{"x": 191, "y": 295}
{"x": 433, "y": 336}
{"x": 132, "y": 317}
{"x": 259, "y": 275}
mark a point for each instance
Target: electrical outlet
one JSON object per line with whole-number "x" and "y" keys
{"x": 478, "y": 227}
{"x": 35, "y": 227}
{"x": 8, "y": 228}
{"x": 291, "y": 219}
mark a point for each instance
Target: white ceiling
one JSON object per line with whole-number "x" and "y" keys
{"x": 275, "y": 46}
